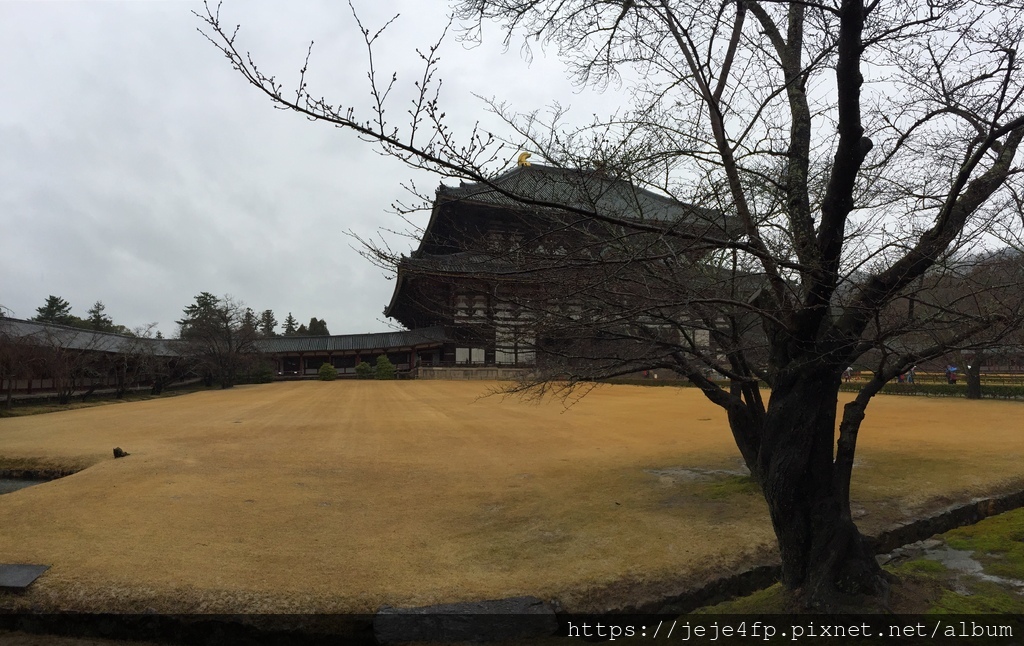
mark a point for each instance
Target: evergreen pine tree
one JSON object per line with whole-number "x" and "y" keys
{"x": 290, "y": 325}
{"x": 98, "y": 320}
{"x": 267, "y": 323}
{"x": 55, "y": 310}
{"x": 318, "y": 327}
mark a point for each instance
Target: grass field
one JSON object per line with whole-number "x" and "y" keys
{"x": 343, "y": 496}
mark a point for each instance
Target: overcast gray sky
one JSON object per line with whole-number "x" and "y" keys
{"x": 137, "y": 168}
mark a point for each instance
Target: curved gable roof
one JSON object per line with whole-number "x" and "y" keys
{"x": 587, "y": 190}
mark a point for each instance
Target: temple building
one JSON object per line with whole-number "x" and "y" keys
{"x": 302, "y": 356}
{"x": 491, "y": 253}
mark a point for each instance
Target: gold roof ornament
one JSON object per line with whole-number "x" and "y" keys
{"x": 522, "y": 159}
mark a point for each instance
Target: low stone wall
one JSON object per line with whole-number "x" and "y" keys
{"x": 488, "y": 373}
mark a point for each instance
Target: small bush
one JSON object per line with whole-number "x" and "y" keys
{"x": 328, "y": 372}
{"x": 385, "y": 369}
{"x": 364, "y": 370}
{"x": 264, "y": 375}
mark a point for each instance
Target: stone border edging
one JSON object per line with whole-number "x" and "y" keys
{"x": 763, "y": 576}
{"x": 955, "y": 516}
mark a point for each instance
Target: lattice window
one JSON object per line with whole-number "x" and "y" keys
{"x": 479, "y": 307}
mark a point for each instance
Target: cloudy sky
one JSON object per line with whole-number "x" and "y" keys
{"x": 137, "y": 168}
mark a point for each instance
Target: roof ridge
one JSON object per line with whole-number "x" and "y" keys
{"x": 72, "y": 328}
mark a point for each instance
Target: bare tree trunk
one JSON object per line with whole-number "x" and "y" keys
{"x": 64, "y": 387}
{"x": 973, "y": 372}
{"x": 822, "y": 551}
{"x": 121, "y": 381}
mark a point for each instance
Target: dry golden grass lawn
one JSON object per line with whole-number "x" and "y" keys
{"x": 346, "y": 495}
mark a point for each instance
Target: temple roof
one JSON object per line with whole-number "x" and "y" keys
{"x": 520, "y": 198}
{"x": 88, "y": 340}
{"x": 536, "y": 186}
{"x": 81, "y": 339}
{"x": 349, "y": 342}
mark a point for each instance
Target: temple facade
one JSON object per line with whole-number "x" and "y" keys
{"x": 492, "y": 253}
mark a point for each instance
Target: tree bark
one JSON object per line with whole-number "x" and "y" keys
{"x": 822, "y": 551}
{"x": 121, "y": 385}
{"x": 973, "y": 372}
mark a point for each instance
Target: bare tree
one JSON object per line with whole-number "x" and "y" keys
{"x": 136, "y": 359}
{"x": 18, "y": 359}
{"x": 972, "y": 288}
{"x": 220, "y": 335}
{"x": 858, "y": 151}
{"x": 72, "y": 358}
{"x": 164, "y": 362}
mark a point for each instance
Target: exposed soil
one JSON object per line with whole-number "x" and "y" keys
{"x": 348, "y": 495}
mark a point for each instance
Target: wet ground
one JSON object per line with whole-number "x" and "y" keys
{"x": 7, "y": 485}
{"x": 962, "y": 562}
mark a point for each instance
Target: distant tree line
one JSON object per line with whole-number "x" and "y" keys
{"x": 57, "y": 311}
{"x": 216, "y": 343}
{"x": 316, "y": 327}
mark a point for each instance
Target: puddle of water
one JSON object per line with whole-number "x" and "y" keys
{"x": 961, "y": 561}
{"x": 7, "y": 485}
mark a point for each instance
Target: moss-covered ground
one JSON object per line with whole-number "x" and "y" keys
{"x": 926, "y": 583}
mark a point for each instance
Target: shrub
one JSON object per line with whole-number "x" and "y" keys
{"x": 263, "y": 375}
{"x": 328, "y": 372}
{"x": 994, "y": 391}
{"x": 385, "y": 369}
{"x": 364, "y": 370}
